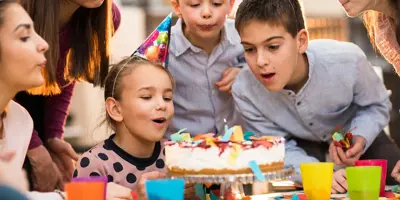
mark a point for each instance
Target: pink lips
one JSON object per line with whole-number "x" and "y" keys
{"x": 267, "y": 77}
{"x": 159, "y": 122}
{"x": 43, "y": 64}
{"x": 206, "y": 27}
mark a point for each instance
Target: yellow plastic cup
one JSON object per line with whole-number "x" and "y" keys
{"x": 317, "y": 180}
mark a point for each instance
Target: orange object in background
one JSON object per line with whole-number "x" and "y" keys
{"x": 85, "y": 190}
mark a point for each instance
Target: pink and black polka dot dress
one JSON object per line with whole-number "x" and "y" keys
{"x": 108, "y": 159}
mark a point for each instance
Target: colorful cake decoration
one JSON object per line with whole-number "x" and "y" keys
{"x": 237, "y": 134}
{"x": 178, "y": 137}
{"x": 227, "y": 136}
{"x": 257, "y": 171}
{"x": 343, "y": 139}
{"x": 155, "y": 47}
{"x": 234, "y": 154}
{"x": 247, "y": 136}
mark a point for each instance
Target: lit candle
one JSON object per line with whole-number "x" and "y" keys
{"x": 226, "y": 126}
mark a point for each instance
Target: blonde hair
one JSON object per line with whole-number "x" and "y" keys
{"x": 113, "y": 83}
{"x": 371, "y": 17}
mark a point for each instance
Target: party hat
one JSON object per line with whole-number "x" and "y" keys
{"x": 155, "y": 47}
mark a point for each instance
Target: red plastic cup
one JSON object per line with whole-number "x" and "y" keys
{"x": 383, "y": 165}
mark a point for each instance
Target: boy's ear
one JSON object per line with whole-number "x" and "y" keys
{"x": 114, "y": 109}
{"x": 175, "y": 5}
{"x": 302, "y": 39}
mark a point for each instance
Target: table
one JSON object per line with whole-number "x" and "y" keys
{"x": 278, "y": 194}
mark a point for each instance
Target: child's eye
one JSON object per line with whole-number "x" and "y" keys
{"x": 195, "y": 5}
{"x": 273, "y": 47}
{"x": 167, "y": 99}
{"x": 217, "y": 4}
{"x": 249, "y": 50}
{"x": 24, "y": 39}
{"x": 146, "y": 97}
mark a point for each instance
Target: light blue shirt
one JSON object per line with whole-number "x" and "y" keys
{"x": 342, "y": 89}
{"x": 199, "y": 105}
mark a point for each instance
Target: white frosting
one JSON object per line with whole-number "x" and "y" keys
{"x": 200, "y": 158}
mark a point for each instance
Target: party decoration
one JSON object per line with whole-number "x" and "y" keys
{"x": 178, "y": 137}
{"x": 203, "y": 136}
{"x": 247, "y": 136}
{"x": 227, "y": 135}
{"x": 234, "y": 154}
{"x": 186, "y": 137}
{"x": 295, "y": 197}
{"x": 343, "y": 139}
{"x": 155, "y": 47}
{"x": 396, "y": 188}
{"x": 257, "y": 171}
{"x": 237, "y": 135}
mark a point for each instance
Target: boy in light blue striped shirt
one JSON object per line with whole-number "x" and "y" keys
{"x": 205, "y": 56}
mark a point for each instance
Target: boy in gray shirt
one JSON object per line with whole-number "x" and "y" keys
{"x": 302, "y": 90}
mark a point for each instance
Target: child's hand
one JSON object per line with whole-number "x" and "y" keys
{"x": 396, "y": 172}
{"x": 226, "y": 82}
{"x": 190, "y": 192}
{"x": 115, "y": 191}
{"x": 339, "y": 157}
{"x": 141, "y": 187}
{"x": 339, "y": 182}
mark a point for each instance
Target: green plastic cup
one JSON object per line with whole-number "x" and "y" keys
{"x": 363, "y": 182}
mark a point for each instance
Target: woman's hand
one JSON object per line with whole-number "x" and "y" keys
{"x": 63, "y": 156}
{"x": 45, "y": 173}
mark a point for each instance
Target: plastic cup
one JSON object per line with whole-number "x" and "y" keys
{"x": 363, "y": 182}
{"x": 383, "y": 165}
{"x": 85, "y": 190}
{"x": 81, "y": 188}
{"x": 165, "y": 189}
{"x": 317, "y": 180}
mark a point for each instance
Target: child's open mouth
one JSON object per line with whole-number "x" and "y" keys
{"x": 267, "y": 77}
{"x": 160, "y": 121}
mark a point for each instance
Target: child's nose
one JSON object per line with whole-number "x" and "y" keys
{"x": 262, "y": 59}
{"x": 206, "y": 13}
{"x": 161, "y": 105}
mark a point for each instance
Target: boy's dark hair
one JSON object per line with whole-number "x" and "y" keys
{"x": 287, "y": 13}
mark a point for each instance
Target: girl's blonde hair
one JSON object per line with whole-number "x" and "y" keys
{"x": 113, "y": 83}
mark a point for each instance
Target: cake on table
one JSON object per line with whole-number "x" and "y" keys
{"x": 228, "y": 154}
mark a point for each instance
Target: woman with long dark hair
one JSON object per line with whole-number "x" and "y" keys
{"x": 79, "y": 33}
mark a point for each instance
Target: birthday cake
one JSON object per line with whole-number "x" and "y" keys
{"x": 228, "y": 154}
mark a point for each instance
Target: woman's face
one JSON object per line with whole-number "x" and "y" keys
{"x": 355, "y": 7}
{"x": 22, "y": 50}
{"x": 88, "y": 3}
